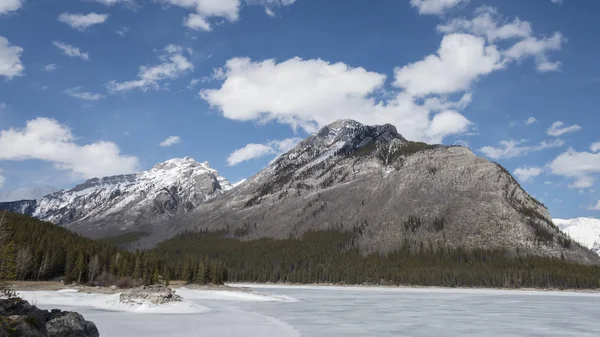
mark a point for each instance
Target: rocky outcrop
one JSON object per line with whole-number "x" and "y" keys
{"x": 19, "y": 318}
{"x": 149, "y": 295}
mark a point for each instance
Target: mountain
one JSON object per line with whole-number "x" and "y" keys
{"x": 586, "y": 231}
{"x": 393, "y": 192}
{"x": 368, "y": 180}
{"x": 27, "y": 193}
{"x": 110, "y": 206}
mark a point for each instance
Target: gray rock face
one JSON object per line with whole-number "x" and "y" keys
{"x": 370, "y": 179}
{"x": 154, "y": 295}
{"x": 19, "y": 318}
{"x": 70, "y": 324}
{"x": 110, "y": 206}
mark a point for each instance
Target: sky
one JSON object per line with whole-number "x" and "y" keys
{"x": 93, "y": 88}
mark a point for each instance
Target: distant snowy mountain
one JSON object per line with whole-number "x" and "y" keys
{"x": 27, "y": 193}
{"x": 586, "y": 231}
{"x": 110, "y": 206}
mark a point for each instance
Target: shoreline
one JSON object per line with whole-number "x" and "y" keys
{"x": 250, "y": 286}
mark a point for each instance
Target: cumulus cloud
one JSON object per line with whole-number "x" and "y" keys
{"x": 591, "y": 208}
{"x": 525, "y": 173}
{"x": 10, "y": 59}
{"x": 581, "y": 166}
{"x": 460, "y": 60}
{"x": 205, "y": 10}
{"x": 82, "y": 21}
{"x": 488, "y": 23}
{"x": 174, "y": 63}
{"x": 70, "y": 50}
{"x": 537, "y": 48}
{"x": 595, "y": 147}
{"x": 531, "y": 120}
{"x": 559, "y": 128}
{"x": 312, "y": 93}
{"x": 77, "y": 93}
{"x": 517, "y": 148}
{"x": 7, "y": 6}
{"x": 254, "y": 151}
{"x": 170, "y": 141}
{"x": 436, "y": 7}
{"x": 48, "y": 140}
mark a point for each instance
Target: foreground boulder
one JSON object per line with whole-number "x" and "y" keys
{"x": 154, "y": 295}
{"x": 19, "y": 318}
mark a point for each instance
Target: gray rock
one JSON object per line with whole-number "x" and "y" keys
{"x": 153, "y": 294}
{"x": 70, "y": 324}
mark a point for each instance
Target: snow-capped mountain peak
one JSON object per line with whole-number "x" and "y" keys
{"x": 129, "y": 201}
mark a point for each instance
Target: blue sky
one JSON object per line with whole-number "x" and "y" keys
{"x": 99, "y": 87}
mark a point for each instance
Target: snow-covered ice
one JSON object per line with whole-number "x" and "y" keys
{"x": 275, "y": 310}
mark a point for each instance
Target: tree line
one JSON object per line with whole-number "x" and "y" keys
{"x": 332, "y": 257}
{"x": 31, "y": 249}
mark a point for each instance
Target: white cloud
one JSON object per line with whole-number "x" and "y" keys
{"x": 170, "y": 141}
{"x": 174, "y": 64}
{"x": 513, "y": 148}
{"x": 558, "y": 128}
{"x": 436, "y": 7}
{"x": 269, "y": 12}
{"x": 82, "y": 21}
{"x": 3, "y": 106}
{"x": 122, "y": 32}
{"x": 531, "y": 120}
{"x": 525, "y": 173}
{"x": 581, "y": 166}
{"x": 50, "y": 67}
{"x": 204, "y": 10}
{"x": 7, "y": 6}
{"x": 46, "y": 139}
{"x": 595, "y": 207}
{"x": 114, "y": 2}
{"x": 460, "y": 60}
{"x": 2, "y": 179}
{"x": 70, "y": 50}
{"x": 248, "y": 152}
{"x": 595, "y": 147}
{"x": 556, "y": 2}
{"x": 312, "y": 93}
{"x": 537, "y": 48}
{"x": 88, "y": 96}
{"x": 254, "y": 151}
{"x": 10, "y": 59}
{"x": 488, "y": 23}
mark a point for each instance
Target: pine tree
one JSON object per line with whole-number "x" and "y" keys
{"x": 201, "y": 273}
{"x": 79, "y": 267}
{"x": 186, "y": 274}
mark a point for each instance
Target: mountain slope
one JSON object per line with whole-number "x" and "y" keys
{"x": 371, "y": 180}
{"x": 27, "y": 193}
{"x": 109, "y": 206}
{"x": 586, "y": 231}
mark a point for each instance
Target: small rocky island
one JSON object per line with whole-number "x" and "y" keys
{"x": 19, "y": 318}
{"x": 152, "y": 295}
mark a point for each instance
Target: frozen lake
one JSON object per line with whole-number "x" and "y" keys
{"x": 343, "y": 311}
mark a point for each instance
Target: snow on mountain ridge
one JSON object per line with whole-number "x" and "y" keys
{"x": 137, "y": 201}
{"x": 586, "y": 231}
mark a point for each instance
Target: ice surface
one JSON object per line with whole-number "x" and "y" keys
{"x": 282, "y": 311}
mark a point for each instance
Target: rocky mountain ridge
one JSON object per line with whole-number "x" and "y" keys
{"x": 393, "y": 192}
{"x": 112, "y": 205}
{"x": 348, "y": 176}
